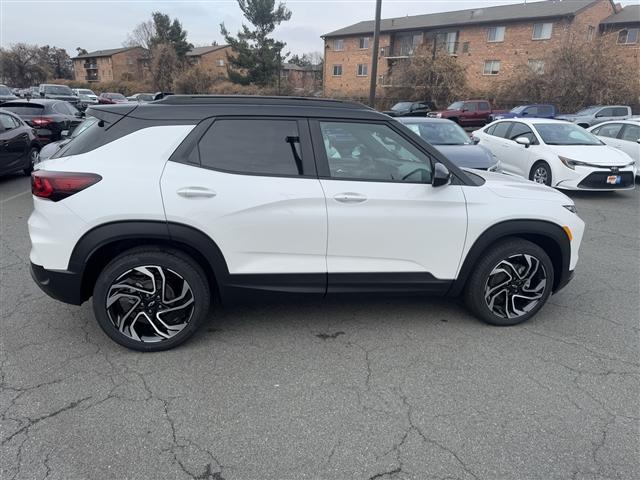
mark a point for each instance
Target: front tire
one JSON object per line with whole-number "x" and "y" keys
{"x": 151, "y": 299}
{"x": 511, "y": 283}
{"x": 541, "y": 173}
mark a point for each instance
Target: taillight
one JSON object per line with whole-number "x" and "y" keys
{"x": 55, "y": 186}
{"x": 42, "y": 121}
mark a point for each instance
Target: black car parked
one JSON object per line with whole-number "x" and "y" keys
{"x": 19, "y": 146}
{"x": 49, "y": 117}
{"x": 410, "y": 109}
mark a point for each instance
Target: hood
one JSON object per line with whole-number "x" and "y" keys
{"x": 593, "y": 154}
{"x": 68, "y": 98}
{"x": 467, "y": 156}
{"x": 508, "y": 186}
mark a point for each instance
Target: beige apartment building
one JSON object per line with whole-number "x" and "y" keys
{"x": 116, "y": 64}
{"x": 490, "y": 42}
{"x": 212, "y": 59}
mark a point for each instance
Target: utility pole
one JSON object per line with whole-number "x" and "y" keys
{"x": 374, "y": 55}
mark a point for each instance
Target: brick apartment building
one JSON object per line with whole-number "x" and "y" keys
{"x": 212, "y": 59}
{"x": 490, "y": 42}
{"x": 116, "y": 64}
{"x": 308, "y": 77}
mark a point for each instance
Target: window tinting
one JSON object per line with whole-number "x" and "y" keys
{"x": 370, "y": 151}
{"x": 24, "y": 109}
{"x": 270, "y": 147}
{"x": 631, "y": 133}
{"x": 545, "y": 110}
{"x": 620, "y": 112}
{"x": 490, "y": 130}
{"x": 501, "y": 129}
{"x": 610, "y": 130}
{"x": 521, "y": 130}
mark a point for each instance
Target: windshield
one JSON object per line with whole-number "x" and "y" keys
{"x": 588, "y": 111}
{"x": 565, "y": 134}
{"x": 4, "y": 90}
{"x": 116, "y": 96}
{"x": 455, "y": 106}
{"x": 440, "y": 133}
{"x": 83, "y": 126}
{"x": 401, "y": 106}
{"x": 58, "y": 90}
{"x": 518, "y": 109}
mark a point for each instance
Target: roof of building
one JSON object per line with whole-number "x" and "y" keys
{"x": 515, "y": 12}
{"x": 105, "y": 53}
{"x": 629, "y": 14}
{"x": 305, "y": 68}
{"x": 197, "y": 51}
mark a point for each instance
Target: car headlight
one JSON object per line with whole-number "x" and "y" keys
{"x": 571, "y": 208}
{"x": 572, "y": 164}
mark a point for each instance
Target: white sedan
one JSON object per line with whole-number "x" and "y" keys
{"x": 557, "y": 153}
{"x": 623, "y": 135}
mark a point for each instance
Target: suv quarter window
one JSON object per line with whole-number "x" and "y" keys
{"x": 501, "y": 129}
{"x": 368, "y": 151}
{"x": 256, "y": 146}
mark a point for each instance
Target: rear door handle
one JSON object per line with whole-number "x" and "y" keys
{"x": 349, "y": 197}
{"x": 193, "y": 192}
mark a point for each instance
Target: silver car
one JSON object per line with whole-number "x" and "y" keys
{"x": 590, "y": 116}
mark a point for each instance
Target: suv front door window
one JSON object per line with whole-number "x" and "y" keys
{"x": 371, "y": 171}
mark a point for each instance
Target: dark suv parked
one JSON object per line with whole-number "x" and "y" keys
{"x": 18, "y": 145}
{"x": 49, "y": 118}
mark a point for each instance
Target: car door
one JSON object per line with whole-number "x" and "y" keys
{"x": 250, "y": 184}
{"x": 520, "y": 157}
{"x": 468, "y": 114}
{"x": 14, "y": 144}
{"x": 609, "y": 132}
{"x": 499, "y": 145}
{"x": 629, "y": 137}
{"x": 482, "y": 115}
{"x": 603, "y": 115}
{"x": 388, "y": 227}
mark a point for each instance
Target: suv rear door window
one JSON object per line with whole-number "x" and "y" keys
{"x": 501, "y": 129}
{"x": 255, "y": 146}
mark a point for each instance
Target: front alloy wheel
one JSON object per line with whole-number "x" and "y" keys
{"x": 151, "y": 299}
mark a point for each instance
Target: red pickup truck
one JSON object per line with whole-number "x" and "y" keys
{"x": 472, "y": 113}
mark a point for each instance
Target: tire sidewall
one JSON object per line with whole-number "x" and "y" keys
{"x": 183, "y": 266}
{"x": 546, "y": 166}
{"x": 474, "y": 294}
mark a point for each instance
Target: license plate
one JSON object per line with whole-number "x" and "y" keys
{"x": 614, "y": 179}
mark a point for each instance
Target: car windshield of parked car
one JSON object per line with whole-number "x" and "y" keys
{"x": 115, "y": 96}
{"x": 4, "y": 90}
{"x": 518, "y": 109}
{"x": 24, "y": 108}
{"x": 441, "y": 133}
{"x": 58, "y": 90}
{"x": 84, "y": 91}
{"x": 565, "y": 134}
{"x": 455, "y": 106}
{"x": 401, "y": 106}
{"x": 588, "y": 111}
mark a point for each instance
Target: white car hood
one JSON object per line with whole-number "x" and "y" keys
{"x": 508, "y": 186}
{"x": 593, "y": 154}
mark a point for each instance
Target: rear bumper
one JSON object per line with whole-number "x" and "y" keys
{"x": 61, "y": 285}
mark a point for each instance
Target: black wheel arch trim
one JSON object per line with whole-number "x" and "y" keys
{"x": 550, "y": 236}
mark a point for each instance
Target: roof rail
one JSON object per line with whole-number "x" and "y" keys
{"x": 257, "y": 100}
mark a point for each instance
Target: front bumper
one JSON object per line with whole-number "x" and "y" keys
{"x": 61, "y": 285}
{"x": 594, "y": 179}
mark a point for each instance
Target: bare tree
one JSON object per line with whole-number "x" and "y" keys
{"x": 22, "y": 65}
{"x": 141, "y": 36}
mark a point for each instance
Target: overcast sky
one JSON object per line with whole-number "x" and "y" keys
{"x": 97, "y": 24}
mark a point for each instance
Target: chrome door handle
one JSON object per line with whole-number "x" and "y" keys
{"x": 349, "y": 197}
{"x": 193, "y": 192}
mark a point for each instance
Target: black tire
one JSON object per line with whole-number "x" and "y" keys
{"x": 536, "y": 174}
{"x": 32, "y": 156}
{"x": 513, "y": 251}
{"x": 158, "y": 264}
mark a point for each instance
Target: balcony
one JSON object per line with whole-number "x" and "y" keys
{"x": 92, "y": 78}
{"x": 90, "y": 66}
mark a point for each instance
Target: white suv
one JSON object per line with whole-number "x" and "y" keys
{"x": 157, "y": 207}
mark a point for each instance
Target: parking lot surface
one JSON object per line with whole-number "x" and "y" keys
{"x": 395, "y": 388}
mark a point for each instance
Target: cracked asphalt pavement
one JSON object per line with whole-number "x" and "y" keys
{"x": 395, "y": 388}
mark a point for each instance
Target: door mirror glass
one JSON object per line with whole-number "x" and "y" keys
{"x": 441, "y": 175}
{"x": 523, "y": 141}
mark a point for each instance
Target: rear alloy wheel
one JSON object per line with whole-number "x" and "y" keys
{"x": 151, "y": 300}
{"x": 511, "y": 283}
{"x": 33, "y": 159}
{"x": 541, "y": 173}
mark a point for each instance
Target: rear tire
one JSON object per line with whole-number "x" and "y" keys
{"x": 33, "y": 159}
{"x": 511, "y": 283}
{"x": 541, "y": 173}
{"x": 151, "y": 299}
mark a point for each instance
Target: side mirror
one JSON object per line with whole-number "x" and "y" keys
{"x": 64, "y": 133}
{"x": 523, "y": 141}
{"x": 638, "y": 141}
{"x": 441, "y": 175}
{"x": 475, "y": 140}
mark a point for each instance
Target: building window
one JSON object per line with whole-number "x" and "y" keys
{"x": 364, "y": 43}
{"x": 542, "y": 31}
{"x": 491, "y": 67}
{"x": 337, "y": 70}
{"x": 220, "y": 62}
{"x": 536, "y": 66}
{"x": 628, "y": 36}
{"x": 465, "y": 47}
{"x": 448, "y": 41}
{"x": 338, "y": 45}
{"x": 129, "y": 61}
{"x": 495, "y": 34}
{"x": 591, "y": 30}
{"x": 363, "y": 70}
